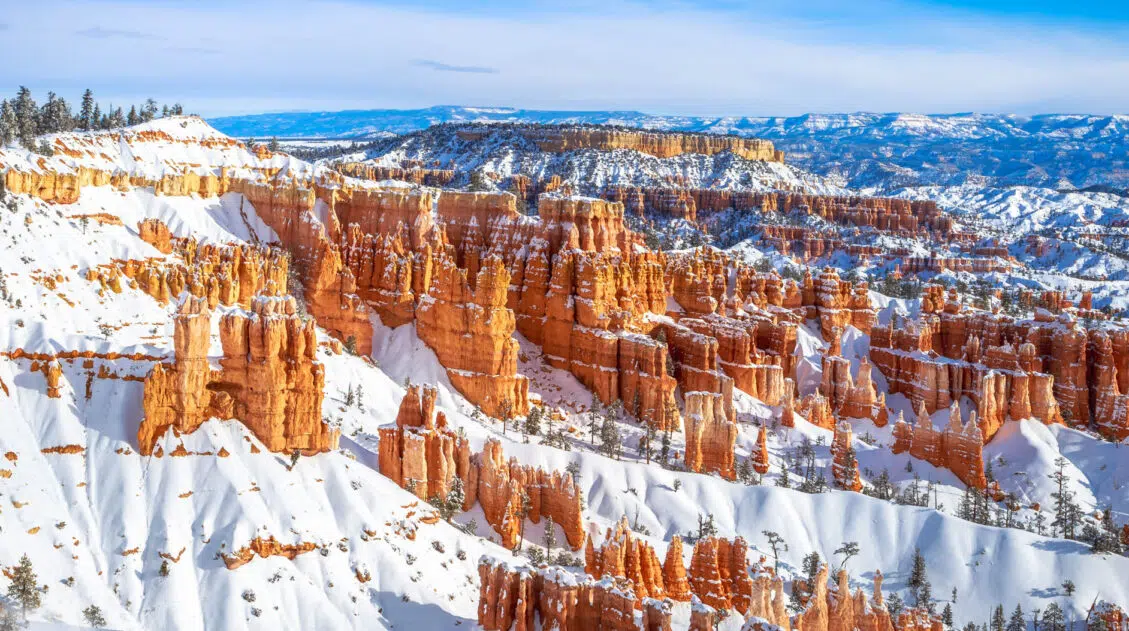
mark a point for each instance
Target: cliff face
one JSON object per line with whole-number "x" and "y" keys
{"x": 1010, "y": 369}
{"x": 658, "y": 144}
{"x": 228, "y": 275}
{"x": 710, "y": 435}
{"x": 420, "y": 453}
{"x": 269, "y": 380}
{"x": 517, "y": 598}
{"x": 520, "y": 598}
{"x": 958, "y": 448}
{"x": 471, "y": 331}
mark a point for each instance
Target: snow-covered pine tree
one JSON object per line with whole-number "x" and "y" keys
{"x": 86, "y": 112}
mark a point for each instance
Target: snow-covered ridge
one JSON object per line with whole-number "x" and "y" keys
{"x": 866, "y": 149}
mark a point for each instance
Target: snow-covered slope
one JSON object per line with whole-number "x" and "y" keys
{"x": 864, "y": 149}
{"x": 97, "y": 523}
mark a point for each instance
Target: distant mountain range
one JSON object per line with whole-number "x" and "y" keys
{"x": 863, "y": 150}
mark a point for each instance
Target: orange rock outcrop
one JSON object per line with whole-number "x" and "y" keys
{"x": 1045, "y": 369}
{"x": 265, "y": 548}
{"x": 524, "y": 599}
{"x": 844, "y": 465}
{"x": 269, "y": 378}
{"x": 710, "y": 435}
{"x": 958, "y": 448}
{"x": 155, "y": 233}
{"x": 561, "y": 138}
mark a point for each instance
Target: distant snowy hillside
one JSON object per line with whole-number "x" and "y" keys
{"x": 864, "y": 149}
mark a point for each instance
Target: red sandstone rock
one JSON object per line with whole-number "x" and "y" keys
{"x": 155, "y": 233}
{"x": 844, "y": 467}
{"x": 958, "y": 447}
{"x": 710, "y": 435}
{"x": 269, "y": 379}
{"x": 760, "y": 456}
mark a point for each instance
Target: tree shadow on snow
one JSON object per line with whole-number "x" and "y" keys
{"x": 400, "y": 614}
{"x": 1062, "y": 546}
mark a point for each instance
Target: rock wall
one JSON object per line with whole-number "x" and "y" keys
{"x": 1047, "y": 370}
{"x": 710, "y": 435}
{"x": 418, "y": 451}
{"x": 471, "y": 332}
{"x": 959, "y": 447}
{"x": 523, "y": 598}
{"x": 559, "y": 139}
{"x": 269, "y": 380}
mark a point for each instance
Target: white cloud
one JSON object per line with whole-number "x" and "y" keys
{"x": 674, "y": 59}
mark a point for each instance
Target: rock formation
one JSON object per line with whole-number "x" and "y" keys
{"x": 958, "y": 448}
{"x": 471, "y": 333}
{"x": 844, "y": 465}
{"x": 520, "y": 598}
{"x": 561, "y": 138}
{"x": 269, "y": 378}
{"x": 710, "y": 435}
{"x": 1011, "y": 370}
{"x": 419, "y": 452}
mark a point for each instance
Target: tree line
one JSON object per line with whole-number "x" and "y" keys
{"x": 23, "y": 120}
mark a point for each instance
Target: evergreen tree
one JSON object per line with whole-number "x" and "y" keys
{"x": 947, "y": 616}
{"x": 27, "y": 118}
{"x": 776, "y": 542}
{"x": 533, "y": 421}
{"x": 848, "y": 550}
{"x": 96, "y": 118}
{"x": 550, "y": 538}
{"x": 8, "y": 126}
{"x": 131, "y": 119}
{"x": 1053, "y": 618}
{"x": 149, "y": 110}
{"x": 998, "y": 622}
{"x": 1068, "y": 587}
{"x": 93, "y": 616}
{"x": 894, "y": 605}
{"x": 917, "y": 577}
{"x": 24, "y": 588}
{"x": 86, "y": 115}
{"x": 1016, "y": 622}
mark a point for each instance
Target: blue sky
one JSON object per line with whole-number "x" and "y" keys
{"x": 704, "y": 57}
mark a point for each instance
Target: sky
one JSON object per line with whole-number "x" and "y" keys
{"x": 694, "y": 57}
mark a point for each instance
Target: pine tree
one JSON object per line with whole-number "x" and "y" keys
{"x": 24, "y": 588}
{"x": 550, "y": 538}
{"x": 947, "y": 616}
{"x": 1053, "y": 618}
{"x": 1016, "y": 622}
{"x": 93, "y": 616}
{"x": 453, "y": 503}
{"x": 1068, "y": 587}
{"x": 918, "y": 577}
{"x": 894, "y": 605}
{"x": 776, "y": 542}
{"x": 848, "y": 550}
{"x": 998, "y": 623}
{"x": 7, "y": 123}
{"x": 86, "y": 113}
{"x": 27, "y": 118}
{"x": 96, "y": 118}
{"x": 533, "y": 421}
{"x": 149, "y": 110}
